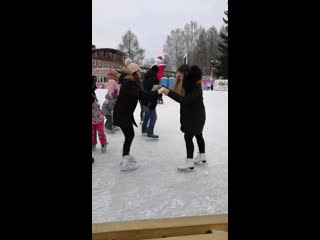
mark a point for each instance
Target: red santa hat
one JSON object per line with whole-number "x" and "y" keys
{"x": 158, "y": 60}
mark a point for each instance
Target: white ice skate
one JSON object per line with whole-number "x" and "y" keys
{"x": 94, "y": 147}
{"x": 104, "y": 148}
{"x": 132, "y": 159}
{"x": 200, "y": 158}
{"x": 115, "y": 128}
{"x": 110, "y": 131}
{"x": 128, "y": 163}
{"x": 188, "y": 165}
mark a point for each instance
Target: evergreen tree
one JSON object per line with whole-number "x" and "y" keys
{"x": 222, "y": 67}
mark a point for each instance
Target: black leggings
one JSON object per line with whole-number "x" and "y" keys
{"x": 128, "y": 137}
{"x": 141, "y": 113}
{"x": 189, "y": 144}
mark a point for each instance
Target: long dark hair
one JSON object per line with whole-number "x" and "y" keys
{"x": 138, "y": 80}
{"x": 185, "y": 70}
{"x": 191, "y": 75}
{"x": 94, "y": 81}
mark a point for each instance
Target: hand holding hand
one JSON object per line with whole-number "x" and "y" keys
{"x": 163, "y": 90}
{"x": 166, "y": 91}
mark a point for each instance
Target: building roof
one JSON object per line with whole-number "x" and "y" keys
{"x": 111, "y": 50}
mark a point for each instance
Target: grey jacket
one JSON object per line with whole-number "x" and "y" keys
{"x": 108, "y": 105}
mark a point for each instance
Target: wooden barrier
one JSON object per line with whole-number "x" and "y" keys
{"x": 213, "y": 227}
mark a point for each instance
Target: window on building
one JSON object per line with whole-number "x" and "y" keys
{"x": 100, "y": 53}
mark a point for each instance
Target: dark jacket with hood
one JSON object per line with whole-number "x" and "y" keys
{"x": 150, "y": 79}
{"x": 192, "y": 110}
{"x": 130, "y": 93}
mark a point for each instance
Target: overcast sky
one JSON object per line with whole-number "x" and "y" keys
{"x": 150, "y": 20}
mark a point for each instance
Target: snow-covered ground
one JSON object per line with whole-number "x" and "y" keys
{"x": 157, "y": 189}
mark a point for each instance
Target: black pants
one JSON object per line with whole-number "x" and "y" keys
{"x": 141, "y": 113}
{"x": 189, "y": 144}
{"x": 128, "y": 137}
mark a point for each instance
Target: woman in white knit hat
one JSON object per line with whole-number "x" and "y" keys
{"x": 131, "y": 91}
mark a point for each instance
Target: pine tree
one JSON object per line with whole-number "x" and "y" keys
{"x": 222, "y": 67}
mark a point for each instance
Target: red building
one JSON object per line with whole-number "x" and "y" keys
{"x": 104, "y": 59}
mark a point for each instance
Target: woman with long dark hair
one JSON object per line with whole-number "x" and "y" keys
{"x": 188, "y": 92}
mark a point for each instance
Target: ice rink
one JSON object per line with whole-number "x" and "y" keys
{"x": 157, "y": 189}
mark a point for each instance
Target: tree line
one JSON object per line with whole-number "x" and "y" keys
{"x": 200, "y": 45}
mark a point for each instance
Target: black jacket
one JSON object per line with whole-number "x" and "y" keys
{"x": 192, "y": 110}
{"x": 151, "y": 99}
{"x": 126, "y": 103}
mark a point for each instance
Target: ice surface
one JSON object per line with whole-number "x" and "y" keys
{"x": 157, "y": 189}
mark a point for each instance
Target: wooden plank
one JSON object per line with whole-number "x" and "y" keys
{"x": 215, "y": 236}
{"x": 159, "y": 228}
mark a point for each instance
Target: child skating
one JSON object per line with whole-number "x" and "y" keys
{"x": 97, "y": 120}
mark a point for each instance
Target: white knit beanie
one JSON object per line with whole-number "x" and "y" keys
{"x": 127, "y": 61}
{"x": 133, "y": 67}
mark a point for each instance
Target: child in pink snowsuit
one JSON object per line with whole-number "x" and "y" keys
{"x": 97, "y": 120}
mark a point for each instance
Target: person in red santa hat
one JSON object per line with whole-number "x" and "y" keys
{"x": 162, "y": 66}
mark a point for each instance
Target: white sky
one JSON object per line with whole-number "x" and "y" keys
{"x": 150, "y": 20}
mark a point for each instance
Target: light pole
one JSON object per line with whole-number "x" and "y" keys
{"x": 214, "y": 63}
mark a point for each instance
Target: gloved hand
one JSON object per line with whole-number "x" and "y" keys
{"x": 163, "y": 90}
{"x": 160, "y": 91}
{"x": 155, "y": 88}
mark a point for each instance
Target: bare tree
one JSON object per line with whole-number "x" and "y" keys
{"x": 213, "y": 40}
{"x": 174, "y": 49}
{"x": 201, "y": 46}
{"x": 130, "y": 45}
{"x": 148, "y": 62}
{"x": 191, "y": 34}
{"x": 200, "y": 53}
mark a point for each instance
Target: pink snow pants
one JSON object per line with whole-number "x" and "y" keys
{"x": 102, "y": 136}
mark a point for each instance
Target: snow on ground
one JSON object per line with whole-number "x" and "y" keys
{"x": 157, "y": 189}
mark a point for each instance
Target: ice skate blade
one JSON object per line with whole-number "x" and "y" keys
{"x": 190, "y": 169}
{"x": 110, "y": 131}
{"x": 128, "y": 170}
{"x": 152, "y": 139}
{"x": 201, "y": 162}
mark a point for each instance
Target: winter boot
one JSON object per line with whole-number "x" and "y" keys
{"x": 103, "y": 148}
{"x": 128, "y": 164}
{"x": 144, "y": 131}
{"x": 200, "y": 158}
{"x": 154, "y": 136}
{"x": 188, "y": 165}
